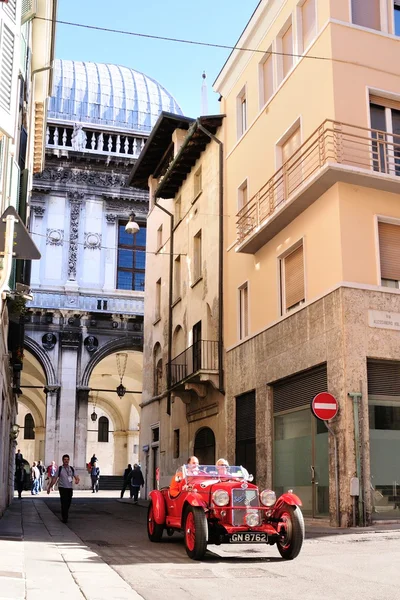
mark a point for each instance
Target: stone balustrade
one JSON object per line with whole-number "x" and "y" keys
{"x": 93, "y": 141}
{"x": 109, "y": 303}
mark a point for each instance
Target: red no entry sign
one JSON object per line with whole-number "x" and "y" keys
{"x": 324, "y": 406}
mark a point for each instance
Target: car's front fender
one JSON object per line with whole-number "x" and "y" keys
{"x": 158, "y": 502}
{"x": 195, "y": 499}
{"x": 288, "y": 498}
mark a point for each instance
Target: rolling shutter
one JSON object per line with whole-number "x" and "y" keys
{"x": 300, "y": 389}
{"x": 294, "y": 278}
{"x": 246, "y": 417}
{"x": 366, "y": 13}
{"x": 385, "y": 102}
{"x": 383, "y": 377}
{"x": 389, "y": 250}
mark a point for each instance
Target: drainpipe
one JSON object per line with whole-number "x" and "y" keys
{"x": 356, "y": 397}
{"x": 220, "y": 254}
{"x": 335, "y": 451}
{"x": 170, "y": 290}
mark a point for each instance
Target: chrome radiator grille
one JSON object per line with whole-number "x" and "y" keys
{"x": 245, "y": 499}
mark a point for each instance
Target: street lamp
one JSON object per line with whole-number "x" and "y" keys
{"x": 131, "y": 226}
{"x": 122, "y": 359}
{"x": 93, "y": 416}
{"x": 14, "y": 431}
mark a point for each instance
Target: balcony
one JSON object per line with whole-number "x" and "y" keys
{"x": 335, "y": 152}
{"x": 102, "y": 303}
{"x": 197, "y": 364}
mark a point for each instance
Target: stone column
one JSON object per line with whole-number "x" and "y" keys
{"x": 132, "y": 441}
{"x": 70, "y": 342}
{"x": 75, "y": 199}
{"x": 40, "y": 442}
{"x": 81, "y": 426}
{"x": 52, "y": 405}
{"x": 37, "y": 230}
{"x": 111, "y": 253}
{"x": 120, "y": 446}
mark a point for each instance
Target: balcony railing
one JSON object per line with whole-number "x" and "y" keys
{"x": 332, "y": 144}
{"x": 95, "y": 142}
{"x": 201, "y": 356}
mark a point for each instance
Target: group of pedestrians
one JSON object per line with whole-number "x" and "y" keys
{"x": 133, "y": 478}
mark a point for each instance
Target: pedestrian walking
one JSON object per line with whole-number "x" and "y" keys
{"x": 136, "y": 480}
{"x": 20, "y": 479}
{"x": 18, "y": 458}
{"x": 42, "y": 470}
{"x": 125, "y": 484}
{"x": 65, "y": 478}
{"x": 35, "y": 476}
{"x": 95, "y": 477}
{"x": 93, "y": 460}
{"x": 51, "y": 476}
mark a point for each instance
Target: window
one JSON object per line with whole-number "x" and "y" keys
{"x": 131, "y": 258}
{"x": 177, "y": 278}
{"x": 292, "y": 279}
{"x": 178, "y": 210}
{"x": 267, "y": 78}
{"x": 389, "y": 253}
{"x": 242, "y": 195}
{"x": 29, "y": 427}
{"x": 287, "y": 50}
{"x": 385, "y": 118}
{"x": 158, "y": 300}
{"x": 308, "y": 21}
{"x": 176, "y": 443}
{"x": 366, "y": 13}
{"x": 197, "y": 260}
{"x": 159, "y": 238}
{"x": 103, "y": 431}
{"x": 291, "y": 144}
{"x": 243, "y": 311}
{"x": 158, "y": 378}
{"x": 241, "y": 113}
{"x": 396, "y": 7}
{"x": 155, "y": 435}
{"x": 197, "y": 183}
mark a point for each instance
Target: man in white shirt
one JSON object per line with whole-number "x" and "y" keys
{"x": 65, "y": 478}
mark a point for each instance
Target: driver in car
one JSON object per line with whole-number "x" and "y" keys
{"x": 222, "y": 467}
{"x": 175, "y": 487}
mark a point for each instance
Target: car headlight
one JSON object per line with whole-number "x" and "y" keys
{"x": 220, "y": 498}
{"x": 268, "y": 497}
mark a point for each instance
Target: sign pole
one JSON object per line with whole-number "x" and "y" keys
{"x": 335, "y": 451}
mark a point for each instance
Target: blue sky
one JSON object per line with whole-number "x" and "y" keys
{"x": 178, "y": 67}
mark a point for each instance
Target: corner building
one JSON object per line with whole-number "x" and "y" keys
{"x": 312, "y": 263}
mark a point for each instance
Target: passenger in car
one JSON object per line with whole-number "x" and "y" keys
{"x": 175, "y": 487}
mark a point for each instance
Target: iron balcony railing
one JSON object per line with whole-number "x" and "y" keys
{"x": 332, "y": 142}
{"x": 201, "y": 356}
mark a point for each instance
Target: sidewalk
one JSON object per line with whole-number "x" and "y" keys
{"x": 41, "y": 558}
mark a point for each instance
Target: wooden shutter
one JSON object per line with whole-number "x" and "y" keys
{"x": 294, "y": 278}
{"x": 366, "y": 13}
{"x": 9, "y": 64}
{"x": 386, "y": 102}
{"x": 291, "y": 145}
{"x": 308, "y": 22}
{"x": 29, "y": 8}
{"x": 287, "y": 49}
{"x": 10, "y": 8}
{"x": 389, "y": 250}
{"x": 268, "y": 78}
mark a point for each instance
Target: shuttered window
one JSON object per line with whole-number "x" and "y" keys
{"x": 28, "y": 10}
{"x": 293, "y": 278}
{"x": 268, "y": 78}
{"x": 287, "y": 50}
{"x": 103, "y": 432}
{"x": 243, "y": 311}
{"x": 10, "y": 8}
{"x": 300, "y": 389}
{"x": 389, "y": 251}
{"x": 308, "y": 22}
{"x": 386, "y": 102}
{"x": 383, "y": 377}
{"x": 7, "y": 64}
{"x": 245, "y": 451}
{"x": 366, "y": 13}
{"x": 291, "y": 145}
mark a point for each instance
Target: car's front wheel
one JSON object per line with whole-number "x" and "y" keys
{"x": 196, "y": 532}
{"x": 291, "y": 528}
{"x": 154, "y": 530}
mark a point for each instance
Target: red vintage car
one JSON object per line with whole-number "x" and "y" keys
{"x": 218, "y": 505}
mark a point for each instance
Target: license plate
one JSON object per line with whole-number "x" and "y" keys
{"x": 248, "y": 538}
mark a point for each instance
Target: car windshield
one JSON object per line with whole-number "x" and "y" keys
{"x": 214, "y": 472}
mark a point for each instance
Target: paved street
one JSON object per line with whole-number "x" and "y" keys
{"x": 104, "y": 553}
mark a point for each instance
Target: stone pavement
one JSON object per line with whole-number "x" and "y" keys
{"x": 42, "y": 558}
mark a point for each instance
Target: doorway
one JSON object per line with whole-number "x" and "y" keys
{"x": 204, "y": 446}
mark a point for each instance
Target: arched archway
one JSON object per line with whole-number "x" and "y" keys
{"x": 204, "y": 446}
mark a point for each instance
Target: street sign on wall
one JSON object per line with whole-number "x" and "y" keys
{"x": 324, "y": 406}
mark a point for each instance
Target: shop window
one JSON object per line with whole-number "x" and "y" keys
{"x": 29, "y": 427}
{"x": 389, "y": 254}
{"x": 103, "y": 432}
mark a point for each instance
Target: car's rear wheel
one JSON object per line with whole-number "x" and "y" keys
{"x": 154, "y": 530}
{"x": 196, "y": 532}
{"x": 291, "y": 528}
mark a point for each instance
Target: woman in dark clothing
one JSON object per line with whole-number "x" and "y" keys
{"x": 136, "y": 480}
{"x": 127, "y": 473}
{"x": 20, "y": 479}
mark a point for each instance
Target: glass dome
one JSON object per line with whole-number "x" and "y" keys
{"x": 111, "y": 96}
